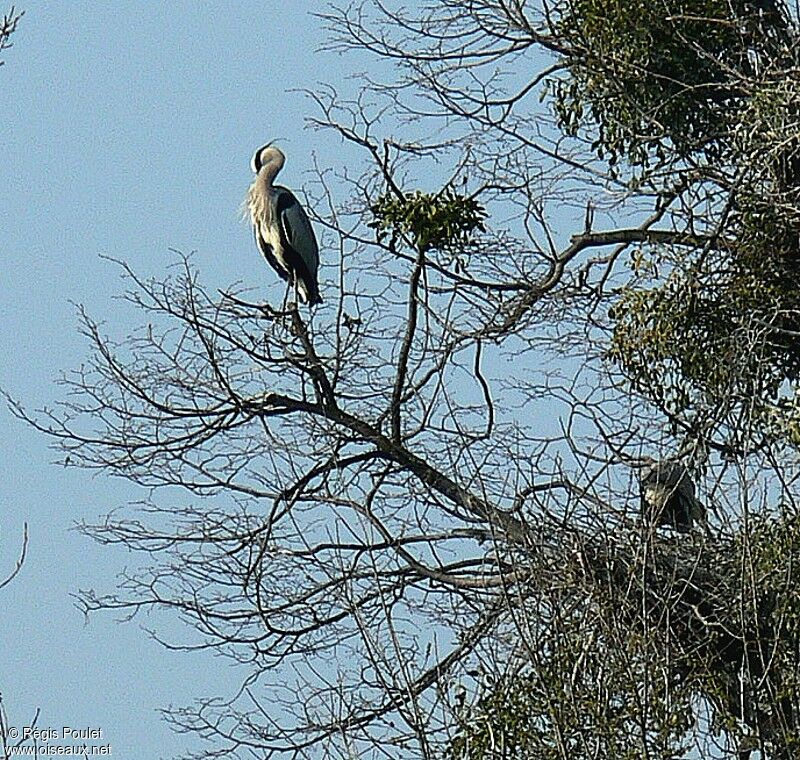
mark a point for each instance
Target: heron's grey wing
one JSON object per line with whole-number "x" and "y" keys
{"x": 676, "y": 477}
{"x": 687, "y": 487}
{"x": 669, "y": 474}
{"x": 298, "y": 230}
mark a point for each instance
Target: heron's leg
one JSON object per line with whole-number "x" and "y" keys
{"x": 285, "y": 296}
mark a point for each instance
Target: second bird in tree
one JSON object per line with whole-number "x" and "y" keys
{"x": 282, "y": 229}
{"x": 668, "y": 496}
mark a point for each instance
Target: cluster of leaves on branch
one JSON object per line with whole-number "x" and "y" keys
{"x": 445, "y": 221}
{"x": 770, "y": 650}
{"x": 721, "y": 325}
{"x": 655, "y": 78}
{"x": 773, "y": 547}
{"x": 541, "y": 715}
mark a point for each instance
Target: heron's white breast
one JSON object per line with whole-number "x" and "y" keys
{"x": 656, "y": 495}
{"x": 262, "y": 202}
{"x": 272, "y": 237}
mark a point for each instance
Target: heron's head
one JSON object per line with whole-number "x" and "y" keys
{"x": 267, "y": 154}
{"x": 645, "y": 465}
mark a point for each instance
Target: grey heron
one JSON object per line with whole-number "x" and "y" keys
{"x": 282, "y": 229}
{"x": 668, "y": 496}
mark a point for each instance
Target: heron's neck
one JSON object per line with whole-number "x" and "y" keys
{"x": 266, "y": 176}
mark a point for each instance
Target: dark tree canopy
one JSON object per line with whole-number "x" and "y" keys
{"x": 571, "y": 246}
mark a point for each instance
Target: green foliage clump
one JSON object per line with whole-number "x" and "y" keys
{"x": 658, "y": 79}
{"x": 575, "y": 704}
{"x": 712, "y": 85}
{"x": 723, "y": 328}
{"x": 772, "y": 545}
{"x": 767, "y": 136}
{"x": 722, "y": 632}
{"x": 444, "y": 221}
{"x": 782, "y": 419}
{"x": 770, "y": 619}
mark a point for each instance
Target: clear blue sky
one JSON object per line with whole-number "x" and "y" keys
{"x": 127, "y": 129}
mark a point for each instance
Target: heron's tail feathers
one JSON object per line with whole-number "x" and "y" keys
{"x": 309, "y": 292}
{"x": 306, "y": 282}
{"x": 698, "y": 511}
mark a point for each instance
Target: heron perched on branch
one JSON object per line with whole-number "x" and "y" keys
{"x": 282, "y": 230}
{"x": 668, "y": 496}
